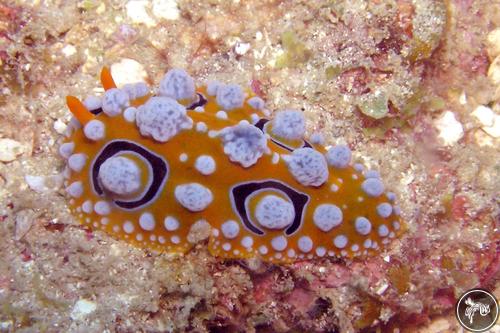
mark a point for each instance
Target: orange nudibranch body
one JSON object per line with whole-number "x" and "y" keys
{"x": 152, "y": 169}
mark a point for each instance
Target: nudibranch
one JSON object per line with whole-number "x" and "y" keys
{"x": 155, "y": 167}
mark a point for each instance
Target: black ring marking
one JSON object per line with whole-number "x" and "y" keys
{"x": 241, "y": 192}
{"x": 200, "y": 102}
{"x": 261, "y": 124}
{"x": 158, "y": 165}
{"x": 96, "y": 111}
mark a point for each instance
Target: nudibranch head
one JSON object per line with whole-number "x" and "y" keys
{"x": 158, "y": 169}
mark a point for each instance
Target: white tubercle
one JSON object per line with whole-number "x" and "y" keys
{"x": 327, "y": 216}
{"x": 102, "y": 208}
{"x": 339, "y": 156}
{"x": 340, "y": 241}
{"x": 317, "y": 138}
{"x": 289, "y": 124}
{"x": 75, "y": 189}
{"x": 305, "y": 244}
{"x": 373, "y": 187}
{"x": 114, "y": 101}
{"x": 274, "y": 212}
{"x": 177, "y": 84}
{"x": 256, "y": 103}
{"x": 362, "y": 225}
{"x": 135, "y": 90}
{"x": 66, "y": 149}
{"x": 120, "y": 175}
{"x": 162, "y": 118}
{"x": 230, "y": 229}
{"x": 201, "y": 127}
{"x": 279, "y": 243}
{"x": 230, "y": 96}
{"x": 307, "y": 166}
{"x": 205, "y": 164}
{"x": 129, "y": 114}
{"x": 243, "y": 143}
{"x": 212, "y": 87}
{"x": 171, "y": 223}
{"x": 221, "y": 115}
{"x": 193, "y": 196}
{"x": 76, "y": 162}
{"x": 94, "y": 130}
{"x": 92, "y": 103}
{"x": 147, "y": 221}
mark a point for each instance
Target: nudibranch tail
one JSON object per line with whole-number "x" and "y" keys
{"x": 165, "y": 170}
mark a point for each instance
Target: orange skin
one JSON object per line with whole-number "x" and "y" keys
{"x": 227, "y": 174}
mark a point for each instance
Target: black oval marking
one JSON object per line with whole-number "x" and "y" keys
{"x": 241, "y": 192}
{"x": 261, "y": 125}
{"x": 158, "y": 165}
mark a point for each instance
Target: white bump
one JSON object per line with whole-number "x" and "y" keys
{"x": 340, "y": 241}
{"x": 193, "y": 196}
{"x": 147, "y": 221}
{"x": 230, "y": 96}
{"x": 201, "y": 127}
{"x": 183, "y": 157}
{"x": 199, "y": 109}
{"x": 307, "y": 166}
{"x": 102, "y": 208}
{"x": 75, "y": 189}
{"x": 230, "y": 229}
{"x": 279, "y": 243}
{"x": 129, "y": 114}
{"x": 254, "y": 118}
{"x": 212, "y": 133}
{"x": 135, "y": 90}
{"x": 87, "y": 207}
{"x": 171, "y": 223}
{"x": 391, "y": 196}
{"x": 359, "y": 167}
{"x": 152, "y": 237}
{"x": 247, "y": 241}
{"x": 226, "y": 246}
{"x": 372, "y": 174}
{"x": 363, "y": 225}
{"x": 289, "y": 124}
{"x": 291, "y": 253}
{"x": 177, "y": 84}
{"x": 243, "y": 143}
{"x": 368, "y": 243}
{"x": 113, "y": 102}
{"x": 76, "y": 162}
{"x": 66, "y": 149}
{"x": 215, "y": 232}
{"x": 334, "y": 188}
{"x": 212, "y": 87}
{"x": 392, "y": 234}
{"x": 104, "y": 221}
{"x": 128, "y": 227}
{"x": 397, "y": 210}
{"x": 373, "y": 187}
{"x": 175, "y": 239}
{"x": 139, "y": 237}
{"x": 383, "y": 231}
{"x": 120, "y": 175}
{"x": 221, "y": 115}
{"x": 92, "y": 103}
{"x": 162, "y": 118}
{"x": 256, "y": 103}
{"x": 327, "y": 216}
{"x": 317, "y": 139}
{"x": 396, "y": 225}
{"x": 384, "y": 210}
{"x": 320, "y": 251}
{"x": 94, "y": 130}
{"x": 273, "y": 212}
{"x": 305, "y": 244}
{"x": 205, "y": 164}
{"x": 263, "y": 249}
{"x": 355, "y": 247}
{"x": 161, "y": 239}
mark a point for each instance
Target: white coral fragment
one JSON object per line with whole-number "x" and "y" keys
{"x": 162, "y": 118}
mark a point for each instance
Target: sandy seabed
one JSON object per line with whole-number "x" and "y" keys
{"x": 412, "y": 86}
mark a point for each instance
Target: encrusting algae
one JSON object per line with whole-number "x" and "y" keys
{"x": 155, "y": 169}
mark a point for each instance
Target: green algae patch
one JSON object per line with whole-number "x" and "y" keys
{"x": 295, "y": 51}
{"x": 375, "y": 105}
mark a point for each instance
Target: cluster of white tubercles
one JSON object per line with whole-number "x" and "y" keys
{"x": 307, "y": 166}
{"x": 289, "y": 125}
{"x": 114, "y": 101}
{"x": 177, "y": 84}
{"x": 243, "y": 143}
{"x": 120, "y": 175}
{"x": 162, "y": 118}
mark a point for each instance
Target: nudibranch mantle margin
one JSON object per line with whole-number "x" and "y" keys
{"x": 150, "y": 168}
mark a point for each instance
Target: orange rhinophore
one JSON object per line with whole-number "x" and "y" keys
{"x": 152, "y": 169}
